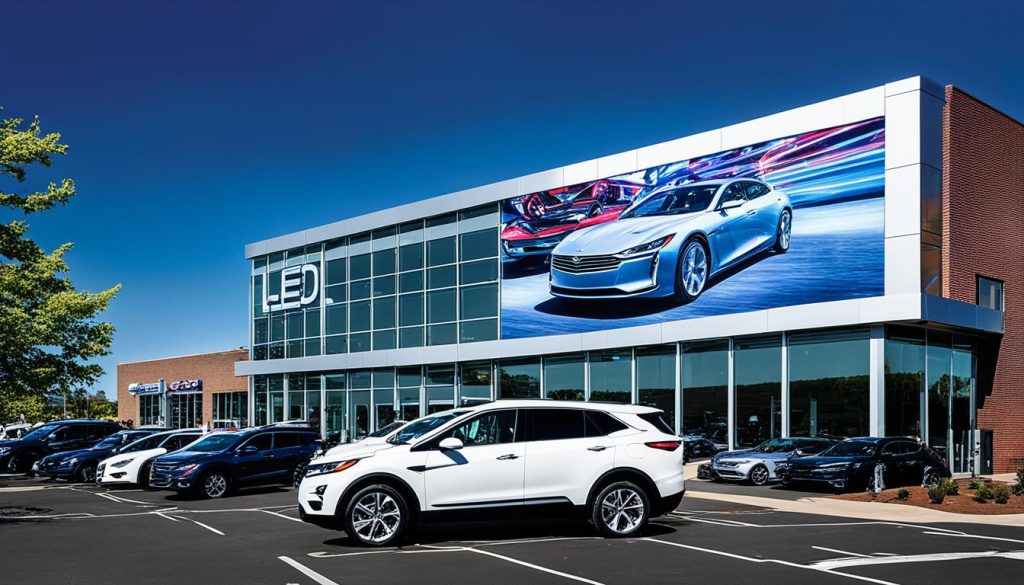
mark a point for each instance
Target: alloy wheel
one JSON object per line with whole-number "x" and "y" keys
{"x": 89, "y": 474}
{"x": 376, "y": 517}
{"x": 215, "y": 485}
{"x": 694, "y": 268}
{"x": 785, "y": 230}
{"x": 622, "y": 510}
{"x": 759, "y": 475}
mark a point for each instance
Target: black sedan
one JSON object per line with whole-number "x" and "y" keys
{"x": 696, "y": 446}
{"x": 867, "y": 463}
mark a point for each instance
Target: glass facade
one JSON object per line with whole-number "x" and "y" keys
{"x": 705, "y": 389}
{"x": 232, "y": 406}
{"x": 757, "y": 371}
{"x": 149, "y": 410}
{"x": 427, "y": 282}
{"x": 829, "y": 385}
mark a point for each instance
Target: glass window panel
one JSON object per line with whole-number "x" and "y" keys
{"x": 938, "y": 366}
{"x": 359, "y": 342}
{"x": 384, "y": 405}
{"x": 293, "y": 325}
{"x": 294, "y": 348}
{"x": 275, "y": 351}
{"x": 705, "y": 390}
{"x": 260, "y": 331}
{"x": 656, "y": 379}
{"x": 519, "y": 378}
{"x": 360, "y": 424}
{"x": 335, "y": 271}
{"x": 277, "y": 328}
{"x": 479, "y": 271}
{"x": 334, "y": 344}
{"x": 563, "y": 377}
{"x": 441, "y": 277}
{"x": 274, "y": 283}
{"x": 610, "y": 375}
{"x": 479, "y": 244}
{"x": 961, "y": 415}
{"x": 441, "y": 334}
{"x": 479, "y": 301}
{"x": 990, "y": 293}
{"x": 410, "y": 281}
{"x": 312, "y": 346}
{"x": 440, "y": 375}
{"x": 359, "y": 316}
{"x": 410, "y": 309}
{"x": 336, "y": 319}
{"x": 384, "y": 339}
{"x": 334, "y": 414}
{"x": 758, "y": 378}
{"x": 410, "y": 337}
{"x": 441, "y": 306}
{"x": 410, "y": 256}
{"x": 479, "y": 330}
{"x": 440, "y": 398}
{"x": 335, "y": 294}
{"x": 409, "y": 403}
{"x": 359, "y": 267}
{"x": 476, "y": 382}
{"x": 904, "y": 380}
{"x": 360, "y": 379}
{"x": 384, "y": 262}
{"x": 313, "y": 323}
{"x": 359, "y": 289}
{"x": 259, "y": 352}
{"x": 828, "y": 384}
{"x": 411, "y": 377}
{"x": 384, "y": 313}
{"x": 383, "y": 378}
{"x": 441, "y": 251}
{"x": 384, "y": 285}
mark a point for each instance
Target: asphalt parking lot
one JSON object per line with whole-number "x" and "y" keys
{"x": 60, "y": 533}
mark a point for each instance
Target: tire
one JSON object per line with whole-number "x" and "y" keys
{"x": 692, "y": 271}
{"x": 759, "y": 475}
{"x": 784, "y": 232}
{"x": 930, "y": 477}
{"x": 620, "y": 510}
{"x": 144, "y": 474}
{"x": 86, "y": 473}
{"x": 19, "y": 463}
{"x": 299, "y": 473}
{"x": 376, "y": 515}
{"x": 215, "y": 484}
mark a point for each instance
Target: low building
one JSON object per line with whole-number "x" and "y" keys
{"x": 184, "y": 391}
{"x": 850, "y": 267}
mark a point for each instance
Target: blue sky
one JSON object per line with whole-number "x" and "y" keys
{"x": 196, "y": 128}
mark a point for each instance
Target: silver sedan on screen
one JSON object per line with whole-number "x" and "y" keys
{"x": 671, "y": 242}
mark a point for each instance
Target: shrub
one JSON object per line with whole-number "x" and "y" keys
{"x": 975, "y": 484}
{"x": 903, "y": 494}
{"x": 1018, "y": 490}
{"x": 984, "y": 492}
{"x": 1000, "y": 493}
{"x": 952, "y": 487}
{"x": 937, "y": 493}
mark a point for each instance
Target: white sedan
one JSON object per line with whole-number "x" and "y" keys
{"x": 131, "y": 464}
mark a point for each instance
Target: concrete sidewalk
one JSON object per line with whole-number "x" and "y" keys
{"x": 863, "y": 510}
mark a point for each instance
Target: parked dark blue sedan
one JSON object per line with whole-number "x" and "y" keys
{"x": 80, "y": 464}
{"x": 867, "y": 463}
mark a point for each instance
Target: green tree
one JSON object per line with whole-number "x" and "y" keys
{"x": 48, "y": 329}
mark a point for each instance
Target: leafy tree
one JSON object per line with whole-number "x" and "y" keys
{"x": 50, "y": 328}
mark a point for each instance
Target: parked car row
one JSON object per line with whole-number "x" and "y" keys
{"x": 851, "y": 464}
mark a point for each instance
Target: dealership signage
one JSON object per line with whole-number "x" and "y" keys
{"x": 185, "y": 387}
{"x": 299, "y": 287}
{"x": 137, "y": 389}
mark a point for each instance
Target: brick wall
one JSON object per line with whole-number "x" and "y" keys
{"x": 983, "y": 234}
{"x": 216, "y": 370}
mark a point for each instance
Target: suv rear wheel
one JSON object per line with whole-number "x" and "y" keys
{"x": 621, "y": 509}
{"x": 376, "y": 515}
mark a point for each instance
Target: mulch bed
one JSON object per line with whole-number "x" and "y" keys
{"x": 965, "y": 503}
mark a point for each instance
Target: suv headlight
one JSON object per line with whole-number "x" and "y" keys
{"x": 122, "y": 463}
{"x": 332, "y": 467}
{"x": 645, "y": 249}
{"x": 70, "y": 461}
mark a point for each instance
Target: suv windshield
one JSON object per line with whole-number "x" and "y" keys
{"x": 216, "y": 443}
{"x": 423, "y": 426}
{"x": 850, "y": 448}
{"x": 675, "y": 201}
{"x": 42, "y": 432}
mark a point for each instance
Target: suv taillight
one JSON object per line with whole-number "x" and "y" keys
{"x": 664, "y": 445}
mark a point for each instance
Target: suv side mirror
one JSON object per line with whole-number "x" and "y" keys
{"x": 451, "y": 443}
{"x": 249, "y": 449}
{"x": 733, "y": 204}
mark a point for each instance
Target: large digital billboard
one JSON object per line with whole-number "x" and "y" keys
{"x": 785, "y": 222}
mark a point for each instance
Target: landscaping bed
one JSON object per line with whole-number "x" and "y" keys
{"x": 967, "y": 501}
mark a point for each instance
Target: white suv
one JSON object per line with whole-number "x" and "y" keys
{"x": 618, "y": 464}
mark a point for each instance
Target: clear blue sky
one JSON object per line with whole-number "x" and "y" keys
{"x": 196, "y": 128}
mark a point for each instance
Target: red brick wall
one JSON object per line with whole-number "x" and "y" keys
{"x": 983, "y": 233}
{"x": 216, "y": 370}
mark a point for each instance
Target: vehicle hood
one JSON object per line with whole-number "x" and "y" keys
{"x": 776, "y": 456}
{"x": 69, "y": 454}
{"x": 354, "y": 451}
{"x": 372, "y": 443}
{"x": 22, "y": 443}
{"x": 186, "y": 457}
{"x": 624, "y": 233}
{"x": 146, "y": 454}
{"x": 819, "y": 460}
{"x": 730, "y": 454}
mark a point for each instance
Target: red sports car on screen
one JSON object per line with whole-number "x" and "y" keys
{"x": 547, "y": 217}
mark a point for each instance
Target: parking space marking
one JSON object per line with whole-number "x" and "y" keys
{"x": 533, "y": 566}
{"x": 841, "y": 552}
{"x": 958, "y": 534}
{"x": 307, "y": 571}
{"x": 279, "y": 515}
{"x": 830, "y": 564}
{"x": 776, "y": 561}
{"x": 206, "y": 526}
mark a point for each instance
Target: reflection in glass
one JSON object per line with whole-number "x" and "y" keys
{"x": 610, "y": 376}
{"x": 904, "y": 380}
{"x": 519, "y": 378}
{"x": 656, "y": 379}
{"x": 563, "y": 377}
{"x": 758, "y": 377}
{"x": 705, "y": 389}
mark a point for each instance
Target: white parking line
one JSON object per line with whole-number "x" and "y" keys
{"x": 532, "y": 566}
{"x": 307, "y": 571}
{"x": 965, "y": 535}
{"x": 841, "y": 552}
{"x": 283, "y": 516}
{"x": 206, "y": 526}
{"x": 924, "y": 558}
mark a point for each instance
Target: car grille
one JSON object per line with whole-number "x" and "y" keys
{"x": 584, "y": 264}
{"x": 160, "y": 474}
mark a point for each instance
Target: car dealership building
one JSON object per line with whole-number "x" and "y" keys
{"x": 846, "y": 268}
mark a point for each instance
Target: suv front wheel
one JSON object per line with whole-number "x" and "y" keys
{"x": 214, "y": 485}
{"x": 620, "y": 510}
{"x": 376, "y": 516}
